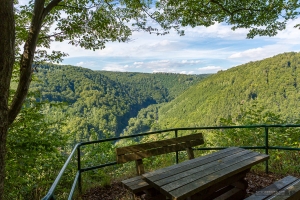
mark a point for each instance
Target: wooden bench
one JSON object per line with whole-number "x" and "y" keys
{"x": 286, "y": 188}
{"x": 137, "y": 152}
{"x": 219, "y": 175}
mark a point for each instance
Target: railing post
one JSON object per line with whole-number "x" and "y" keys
{"x": 267, "y": 147}
{"x": 79, "y": 169}
{"x": 176, "y": 135}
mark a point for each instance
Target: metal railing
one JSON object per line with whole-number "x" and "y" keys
{"x": 78, "y": 178}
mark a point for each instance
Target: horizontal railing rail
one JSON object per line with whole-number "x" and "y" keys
{"x": 77, "y": 179}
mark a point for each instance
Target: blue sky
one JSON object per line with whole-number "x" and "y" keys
{"x": 201, "y": 50}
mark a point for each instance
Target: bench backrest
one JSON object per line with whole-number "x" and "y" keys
{"x": 140, "y": 151}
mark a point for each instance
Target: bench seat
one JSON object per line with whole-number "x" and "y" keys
{"x": 137, "y": 152}
{"x": 136, "y": 184}
{"x": 287, "y": 188}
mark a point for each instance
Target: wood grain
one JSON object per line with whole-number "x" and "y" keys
{"x": 194, "y": 162}
{"x": 188, "y": 167}
{"x": 156, "y": 151}
{"x": 150, "y": 145}
{"x": 214, "y": 177}
{"x": 292, "y": 192}
{"x": 272, "y": 189}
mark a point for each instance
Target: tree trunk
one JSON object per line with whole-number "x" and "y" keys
{"x": 39, "y": 14}
{"x": 7, "y": 58}
{"x": 3, "y": 135}
{"x": 27, "y": 60}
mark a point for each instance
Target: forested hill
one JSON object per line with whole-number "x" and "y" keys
{"x": 100, "y": 102}
{"x": 169, "y": 85}
{"x": 272, "y": 84}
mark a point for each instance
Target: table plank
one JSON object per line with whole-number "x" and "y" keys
{"x": 272, "y": 189}
{"x": 202, "y": 183}
{"x": 292, "y": 192}
{"x": 203, "y": 171}
{"x": 191, "y": 164}
{"x": 199, "y": 170}
{"x": 190, "y": 177}
{"x": 214, "y": 156}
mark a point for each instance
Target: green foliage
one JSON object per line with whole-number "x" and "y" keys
{"x": 94, "y": 155}
{"x": 263, "y": 18}
{"x": 144, "y": 121}
{"x": 101, "y": 104}
{"x": 281, "y": 161}
{"x": 104, "y": 102}
{"x": 272, "y": 83}
{"x": 92, "y": 105}
{"x": 90, "y": 24}
{"x": 163, "y": 87}
{"x": 35, "y": 153}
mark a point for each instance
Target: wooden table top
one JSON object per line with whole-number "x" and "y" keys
{"x": 190, "y": 177}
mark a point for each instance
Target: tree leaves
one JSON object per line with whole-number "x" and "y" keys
{"x": 263, "y": 18}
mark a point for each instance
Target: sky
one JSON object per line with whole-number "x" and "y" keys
{"x": 202, "y": 50}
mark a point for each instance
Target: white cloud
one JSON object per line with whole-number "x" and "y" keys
{"x": 187, "y": 72}
{"x": 165, "y": 69}
{"x": 73, "y": 51}
{"x": 79, "y": 64}
{"x": 190, "y": 62}
{"x": 88, "y": 64}
{"x": 251, "y": 53}
{"x": 216, "y": 47}
{"x": 209, "y": 69}
{"x": 286, "y": 41}
{"x": 107, "y": 51}
{"x": 195, "y": 61}
{"x": 171, "y": 66}
{"x": 116, "y": 67}
{"x": 154, "y": 47}
{"x": 290, "y": 34}
{"x": 218, "y": 30}
{"x": 260, "y": 52}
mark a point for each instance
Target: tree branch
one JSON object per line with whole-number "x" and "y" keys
{"x": 76, "y": 8}
{"x": 39, "y": 13}
{"x": 49, "y": 36}
{"x": 50, "y": 6}
{"x": 222, "y": 7}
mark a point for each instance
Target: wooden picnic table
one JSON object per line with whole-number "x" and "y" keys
{"x": 219, "y": 175}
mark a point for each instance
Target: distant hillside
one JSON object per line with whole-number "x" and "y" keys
{"x": 103, "y": 102}
{"x": 273, "y": 83}
{"x": 170, "y": 85}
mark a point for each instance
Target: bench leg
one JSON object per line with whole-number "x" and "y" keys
{"x": 158, "y": 197}
{"x": 153, "y": 194}
{"x": 222, "y": 187}
{"x": 241, "y": 184}
{"x": 136, "y": 195}
{"x": 237, "y": 191}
